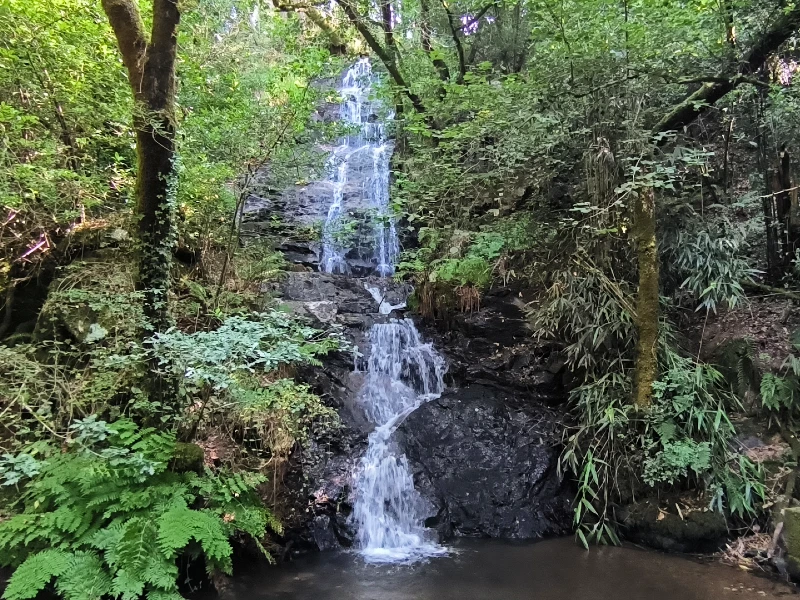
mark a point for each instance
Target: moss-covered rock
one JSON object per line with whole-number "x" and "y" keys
{"x": 791, "y": 540}
{"x": 693, "y": 531}
{"x": 90, "y": 302}
{"x": 187, "y": 457}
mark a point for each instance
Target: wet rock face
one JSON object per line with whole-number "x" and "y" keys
{"x": 316, "y": 502}
{"x": 494, "y": 345}
{"x": 484, "y": 455}
{"x": 486, "y": 460}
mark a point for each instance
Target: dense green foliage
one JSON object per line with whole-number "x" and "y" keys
{"x": 102, "y": 496}
{"x": 109, "y": 518}
{"x": 528, "y": 132}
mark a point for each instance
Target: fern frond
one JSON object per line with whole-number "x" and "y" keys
{"x": 126, "y": 587}
{"x": 178, "y": 526}
{"x": 214, "y": 541}
{"x": 135, "y": 546}
{"x": 16, "y": 533}
{"x": 162, "y": 573}
{"x": 35, "y": 573}
{"x": 161, "y": 595}
{"x": 107, "y": 539}
{"x": 85, "y": 578}
{"x": 69, "y": 520}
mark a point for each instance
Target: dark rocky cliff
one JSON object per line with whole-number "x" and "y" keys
{"x": 484, "y": 454}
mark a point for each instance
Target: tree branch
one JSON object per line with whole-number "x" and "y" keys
{"x": 129, "y": 30}
{"x": 462, "y": 63}
{"x": 382, "y": 54}
{"x": 337, "y": 44}
{"x": 700, "y": 101}
{"x": 477, "y": 17}
{"x": 162, "y": 53}
{"x": 427, "y": 46}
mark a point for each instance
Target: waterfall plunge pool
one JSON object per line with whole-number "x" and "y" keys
{"x": 499, "y": 570}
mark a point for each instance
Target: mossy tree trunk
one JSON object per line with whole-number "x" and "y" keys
{"x": 151, "y": 72}
{"x": 644, "y": 231}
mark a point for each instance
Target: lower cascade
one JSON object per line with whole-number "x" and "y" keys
{"x": 403, "y": 372}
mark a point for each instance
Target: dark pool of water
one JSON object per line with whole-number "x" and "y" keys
{"x": 496, "y": 570}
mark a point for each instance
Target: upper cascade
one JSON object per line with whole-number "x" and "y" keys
{"x": 358, "y": 171}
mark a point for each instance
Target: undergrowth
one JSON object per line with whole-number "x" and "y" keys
{"x": 617, "y": 452}
{"x": 107, "y": 517}
{"x": 99, "y": 500}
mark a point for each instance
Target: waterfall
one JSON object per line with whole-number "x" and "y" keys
{"x": 365, "y": 148}
{"x": 402, "y": 371}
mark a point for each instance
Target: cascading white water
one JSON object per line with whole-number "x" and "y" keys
{"x": 360, "y": 111}
{"x": 402, "y": 374}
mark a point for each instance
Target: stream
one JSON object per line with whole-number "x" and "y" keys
{"x": 497, "y": 570}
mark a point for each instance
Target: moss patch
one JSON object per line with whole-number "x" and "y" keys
{"x": 791, "y": 538}
{"x": 187, "y": 457}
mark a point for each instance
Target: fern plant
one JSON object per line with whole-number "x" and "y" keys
{"x": 109, "y": 519}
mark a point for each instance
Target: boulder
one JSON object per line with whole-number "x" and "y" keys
{"x": 324, "y": 310}
{"x": 186, "y": 458}
{"x": 486, "y": 458}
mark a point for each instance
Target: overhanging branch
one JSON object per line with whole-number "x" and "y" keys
{"x": 711, "y": 91}
{"x": 387, "y": 60}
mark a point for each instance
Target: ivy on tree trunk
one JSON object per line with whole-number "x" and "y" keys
{"x": 151, "y": 73}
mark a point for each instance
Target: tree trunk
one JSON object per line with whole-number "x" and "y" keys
{"x": 462, "y": 61}
{"x": 427, "y": 45}
{"x": 388, "y": 30}
{"x": 644, "y": 232}
{"x": 786, "y": 203}
{"x": 151, "y": 72}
